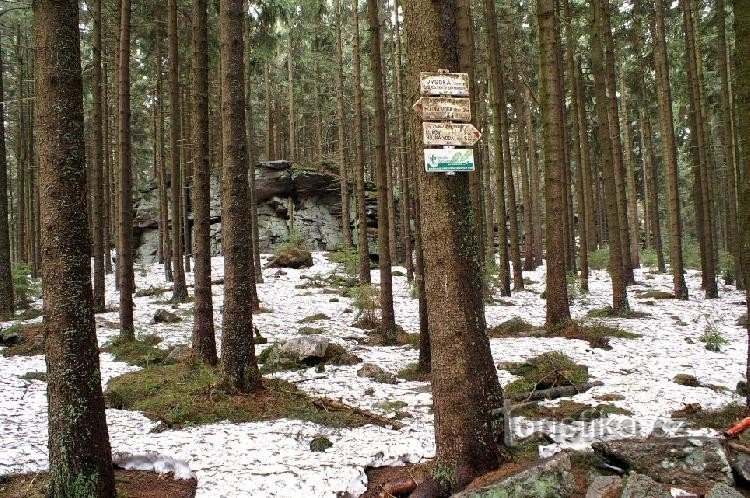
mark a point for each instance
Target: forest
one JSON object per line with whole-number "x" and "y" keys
{"x": 362, "y": 248}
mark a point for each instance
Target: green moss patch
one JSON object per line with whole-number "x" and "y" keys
{"x": 608, "y": 312}
{"x": 568, "y": 410}
{"x": 274, "y": 359}
{"x": 720, "y": 419}
{"x": 400, "y": 338}
{"x": 314, "y": 318}
{"x": 23, "y": 340}
{"x": 545, "y": 371}
{"x": 28, "y": 314}
{"x": 653, "y": 294}
{"x": 511, "y": 328}
{"x": 311, "y": 330}
{"x": 391, "y": 406}
{"x": 596, "y": 334}
{"x": 185, "y": 394}
{"x": 151, "y": 292}
{"x": 41, "y": 376}
{"x": 413, "y": 373}
{"x": 141, "y": 352}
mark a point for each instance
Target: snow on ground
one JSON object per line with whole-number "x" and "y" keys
{"x": 273, "y": 458}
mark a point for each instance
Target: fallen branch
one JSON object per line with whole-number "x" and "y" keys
{"x": 555, "y": 392}
{"x": 738, "y": 447}
{"x": 400, "y": 486}
{"x": 333, "y": 405}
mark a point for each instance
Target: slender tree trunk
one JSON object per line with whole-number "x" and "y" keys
{"x": 162, "y": 173}
{"x": 363, "y": 249}
{"x": 669, "y": 151}
{"x": 704, "y": 218}
{"x": 96, "y": 160}
{"x": 270, "y": 148}
{"x": 742, "y": 58}
{"x": 108, "y": 222}
{"x": 185, "y": 176}
{"x": 464, "y": 380}
{"x": 583, "y": 173}
{"x": 632, "y": 202}
{"x": 252, "y": 160}
{"x": 521, "y": 109}
{"x": 340, "y": 126}
{"x": 292, "y": 120}
{"x": 616, "y": 267}
{"x": 125, "y": 219}
{"x": 239, "y": 367}
{"x": 7, "y": 299}
{"x": 558, "y": 312}
{"x": 204, "y": 341}
{"x": 21, "y": 239}
{"x": 179, "y": 293}
{"x": 79, "y": 451}
{"x": 499, "y": 122}
{"x": 388, "y": 320}
{"x": 536, "y": 209}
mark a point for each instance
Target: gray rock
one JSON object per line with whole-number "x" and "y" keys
{"x": 178, "y": 353}
{"x": 740, "y": 463}
{"x": 549, "y": 478}
{"x": 680, "y": 461}
{"x": 164, "y": 316}
{"x": 373, "y": 371}
{"x": 9, "y": 338}
{"x": 304, "y": 347}
{"x": 742, "y": 320}
{"x": 603, "y": 486}
{"x": 640, "y": 486}
{"x": 721, "y": 490}
{"x": 291, "y": 258}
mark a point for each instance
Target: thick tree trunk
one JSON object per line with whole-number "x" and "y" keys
{"x": 79, "y": 451}
{"x": 669, "y": 151}
{"x": 96, "y": 161}
{"x": 616, "y": 267}
{"x": 204, "y": 340}
{"x": 7, "y": 299}
{"x": 388, "y": 319}
{"x": 239, "y": 367}
{"x": 558, "y": 312}
{"x": 363, "y": 250}
{"x": 464, "y": 380}
{"x": 180, "y": 288}
{"x": 125, "y": 196}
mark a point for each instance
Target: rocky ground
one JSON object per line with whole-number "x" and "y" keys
{"x": 274, "y": 458}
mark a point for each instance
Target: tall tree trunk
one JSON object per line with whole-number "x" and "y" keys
{"x": 179, "y": 293}
{"x": 363, "y": 249}
{"x": 185, "y": 176}
{"x": 632, "y": 201}
{"x": 742, "y": 61}
{"x": 499, "y": 122}
{"x": 7, "y": 299}
{"x": 616, "y": 267}
{"x": 704, "y": 217}
{"x": 270, "y": 148}
{"x": 162, "y": 173}
{"x": 252, "y": 160}
{"x": 340, "y": 126}
{"x": 464, "y": 380}
{"x": 79, "y": 451}
{"x": 108, "y": 222}
{"x": 21, "y": 238}
{"x": 290, "y": 88}
{"x": 125, "y": 218}
{"x": 521, "y": 108}
{"x": 583, "y": 173}
{"x": 204, "y": 340}
{"x": 96, "y": 161}
{"x": 239, "y": 367}
{"x": 388, "y": 319}
{"x": 669, "y": 151}
{"x": 558, "y": 312}
{"x": 536, "y": 209}
{"x": 729, "y": 142}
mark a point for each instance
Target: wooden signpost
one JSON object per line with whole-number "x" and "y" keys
{"x": 446, "y": 109}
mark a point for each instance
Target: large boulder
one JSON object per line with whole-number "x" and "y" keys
{"x": 304, "y": 347}
{"x": 164, "y": 316}
{"x": 680, "y": 461}
{"x": 604, "y": 486}
{"x": 721, "y": 490}
{"x": 640, "y": 486}
{"x": 273, "y": 179}
{"x": 550, "y": 478}
{"x": 292, "y": 258}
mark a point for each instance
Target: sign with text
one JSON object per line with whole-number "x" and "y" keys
{"x": 448, "y": 160}
{"x": 443, "y": 108}
{"x": 453, "y": 134}
{"x": 446, "y": 84}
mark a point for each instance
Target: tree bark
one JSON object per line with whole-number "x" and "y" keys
{"x": 180, "y": 293}
{"x": 669, "y": 151}
{"x": 162, "y": 168}
{"x": 363, "y": 250}
{"x": 21, "y": 229}
{"x": 204, "y": 340}
{"x": 7, "y": 298}
{"x": 290, "y": 89}
{"x": 632, "y": 202}
{"x": 583, "y": 174}
{"x": 340, "y": 126}
{"x": 79, "y": 451}
{"x": 558, "y": 312}
{"x": 125, "y": 219}
{"x": 464, "y": 380}
{"x": 96, "y": 161}
{"x": 239, "y": 367}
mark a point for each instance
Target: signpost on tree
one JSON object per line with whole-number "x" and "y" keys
{"x": 446, "y": 109}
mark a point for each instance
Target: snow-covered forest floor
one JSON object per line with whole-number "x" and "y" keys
{"x": 274, "y": 458}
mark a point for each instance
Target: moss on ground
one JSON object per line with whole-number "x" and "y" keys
{"x": 412, "y": 372}
{"x": 608, "y": 312}
{"x": 510, "y": 328}
{"x": 653, "y": 294}
{"x": 568, "y": 410}
{"x": 141, "y": 352}
{"x": 151, "y": 292}
{"x": 314, "y": 318}
{"x": 596, "y": 334}
{"x": 187, "y": 393}
{"x": 28, "y": 314}
{"x": 41, "y": 376}
{"x": 273, "y": 359}
{"x": 30, "y": 340}
{"x": 545, "y": 371}
{"x": 720, "y": 419}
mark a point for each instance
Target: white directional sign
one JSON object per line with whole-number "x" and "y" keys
{"x": 454, "y": 134}
{"x": 445, "y": 84}
{"x": 448, "y": 160}
{"x": 443, "y": 108}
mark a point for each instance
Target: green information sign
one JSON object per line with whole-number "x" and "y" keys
{"x": 448, "y": 160}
